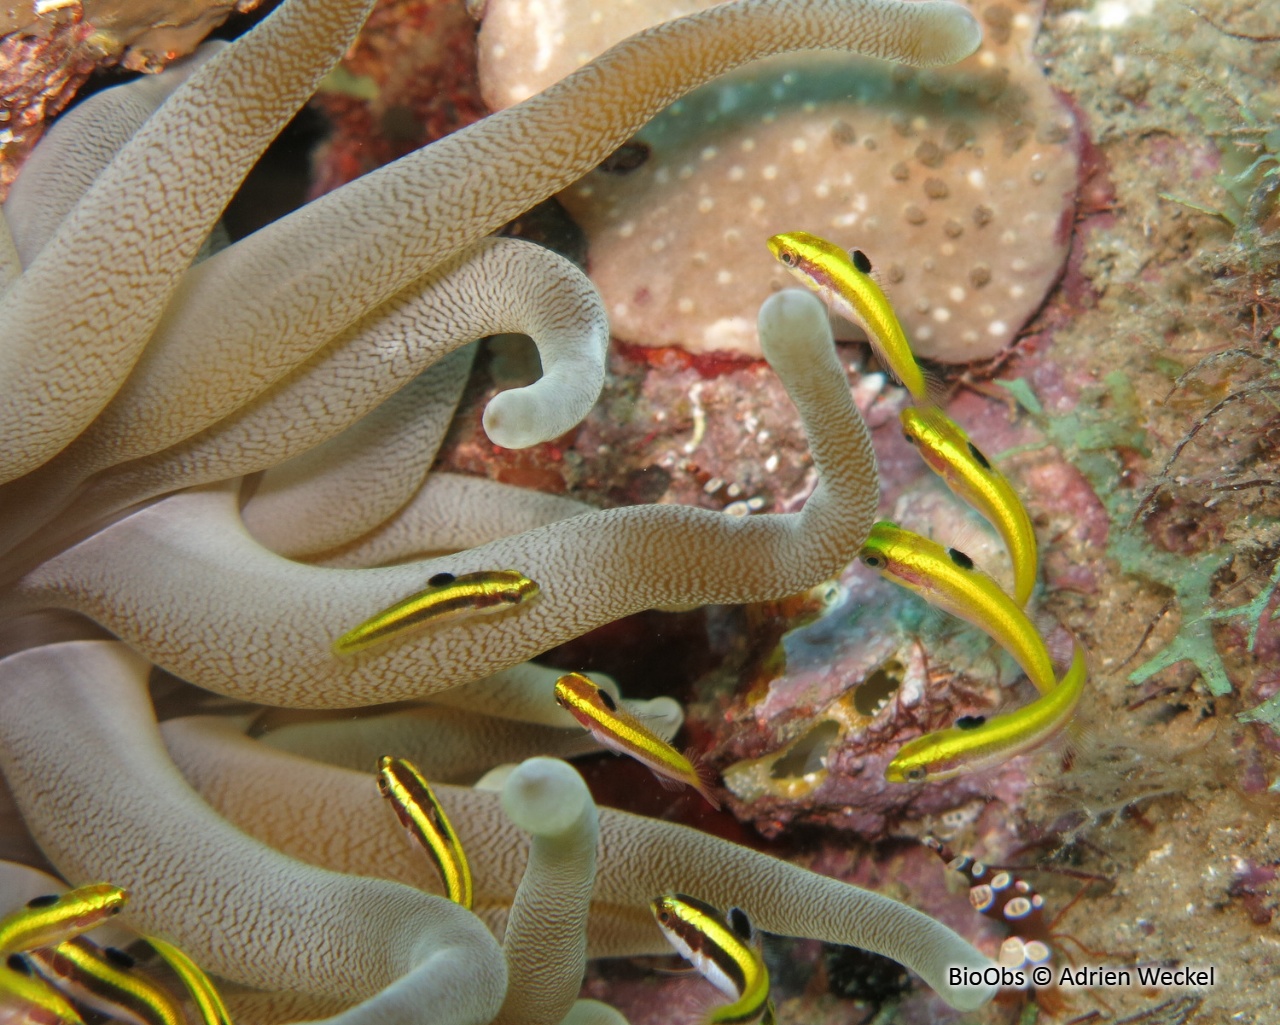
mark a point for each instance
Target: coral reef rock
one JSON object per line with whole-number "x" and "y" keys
{"x": 959, "y": 183}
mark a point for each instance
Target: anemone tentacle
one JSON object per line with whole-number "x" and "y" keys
{"x": 259, "y": 627}
{"x": 310, "y": 275}
{"x": 76, "y": 321}
{"x": 79, "y": 744}
{"x": 545, "y": 939}
{"x": 351, "y": 484}
{"x": 639, "y": 858}
{"x": 452, "y": 512}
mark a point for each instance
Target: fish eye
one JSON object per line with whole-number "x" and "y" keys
{"x": 916, "y": 774}
{"x": 860, "y": 261}
{"x": 440, "y": 579}
{"x": 606, "y": 699}
{"x": 874, "y": 561}
{"x": 959, "y": 558}
{"x": 43, "y": 901}
{"x": 383, "y": 786}
{"x": 970, "y": 722}
{"x": 977, "y": 454}
{"x": 664, "y": 917}
{"x": 18, "y": 963}
{"x": 910, "y": 438}
{"x": 787, "y": 257}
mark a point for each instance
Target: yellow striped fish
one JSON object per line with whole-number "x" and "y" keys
{"x": 102, "y": 978}
{"x": 948, "y": 452}
{"x": 26, "y": 999}
{"x": 207, "y": 999}
{"x": 957, "y": 750}
{"x": 49, "y": 920}
{"x": 843, "y": 281}
{"x": 724, "y": 951}
{"x": 947, "y": 578}
{"x": 621, "y": 731}
{"x": 446, "y": 598}
{"x": 420, "y": 813}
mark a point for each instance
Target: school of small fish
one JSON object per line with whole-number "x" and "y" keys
{"x": 723, "y": 946}
{"x": 51, "y": 969}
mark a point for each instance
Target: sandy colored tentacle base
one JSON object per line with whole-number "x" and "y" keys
{"x": 374, "y": 237}
{"x": 184, "y": 583}
{"x": 639, "y": 858}
{"x": 80, "y": 749}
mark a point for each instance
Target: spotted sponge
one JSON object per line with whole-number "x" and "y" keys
{"x": 958, "y": 183}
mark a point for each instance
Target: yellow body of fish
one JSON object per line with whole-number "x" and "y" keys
{"x": 28, "y": 1000}
{"x": 949, "y": 453}
{"x": 947, "y": 578}
{"x": 843, "y": 280}
{"x": 726, "y": 954}
{"x": 420, "y": 813}
{"x": 103, "y": 979}
{"x": 621, "y": 731}
{"x": 48, "y": 921}
{"x": 446, "y": 597}
{"x": 204, "y": 994}
{"x": 953, "y": 751}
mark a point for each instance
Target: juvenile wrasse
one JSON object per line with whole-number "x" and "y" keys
{"x": 103, "y": 979}
{"x": 953, "y": 751}
{"x": 948, "y": 452}
{"x": 621, "y": 731}
{"x": 843, "y": 280}
{"x": 447, "y": 597}
{"x": 26, "y": 999}
{"x": 947, "y": 579}
{"x": 723, "y": 950}
{"x": 207, "y": 999}
{"x": 49, "y": 920}
{"x": 420, "y": 813}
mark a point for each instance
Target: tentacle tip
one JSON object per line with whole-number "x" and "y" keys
{"x": 545, "y": 796}
{"x": 950, "y": 35}
{"x": 792, "y": 319}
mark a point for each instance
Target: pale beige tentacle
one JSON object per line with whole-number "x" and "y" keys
{"x": 450, "y": 513}
{"x": 80, "y": 145}
{"x": 10, "y": 262}
{"x": 286, "y": 802}
{"x": 76, "y": 321}
{"x": 79, "y": 746}
{"x": 524, "y": 693}
{"x": 545, "y": 940}
{"x": 184, "y": 583}
{"x": 593, "y": 1012}
{"x": 248, "y": 315}
{"x": 446, "y": 745}
{"x": 347, "y": 486}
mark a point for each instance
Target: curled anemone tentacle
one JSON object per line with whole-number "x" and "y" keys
{"x": 76, "y": 321}
{"x": 545, "y": 940}
{"x": 79, "y": 744}
{"x": 639, "y": 857}
{"x": 259, "y": 627}
{"x": 340, "y": 490}
{"x": 380, "y": 233}
{"x": 452, "y": 512}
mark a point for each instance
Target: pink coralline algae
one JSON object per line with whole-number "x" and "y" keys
{"x": 959, "y": 183}
{"x": 50, "y": 47}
